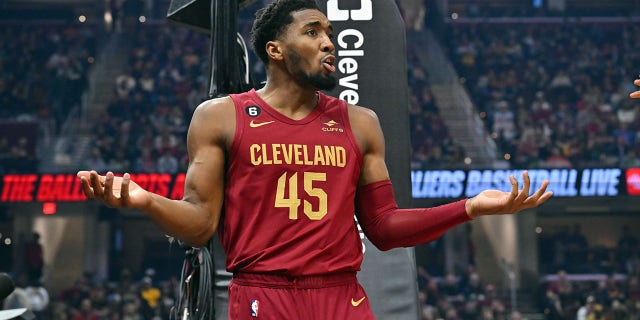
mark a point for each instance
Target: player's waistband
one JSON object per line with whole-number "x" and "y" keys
{"x": 302, "y": 282}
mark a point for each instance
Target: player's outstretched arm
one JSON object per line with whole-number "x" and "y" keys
{"x": 389, "y": 227}
{"x": 636, "y": 94}
{"x": 195, "y": 218}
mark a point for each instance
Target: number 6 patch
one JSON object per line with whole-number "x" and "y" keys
{"x": 253, "y": 111}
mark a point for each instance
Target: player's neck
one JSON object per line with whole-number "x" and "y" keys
{"x": 289, "y": 98}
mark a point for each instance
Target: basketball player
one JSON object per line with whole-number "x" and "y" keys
{"x": 291, "y": 166}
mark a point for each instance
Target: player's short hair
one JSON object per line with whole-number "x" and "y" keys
{"x": 272, "y": 20}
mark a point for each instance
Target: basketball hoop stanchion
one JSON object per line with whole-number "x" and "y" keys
{"x": 204, "y": 280}
{"x": 219, "y": 20}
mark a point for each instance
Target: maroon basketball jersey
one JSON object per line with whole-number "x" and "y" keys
{"x": 290, "y": 188}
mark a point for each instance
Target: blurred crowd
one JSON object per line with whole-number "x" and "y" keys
{"x": 143, "y": 128}
{"x": 461, "y": 296}
{"x": 584, "y": 281}
{"x": 568, "y": 249}
{"x": 126, "y": 298}
{"x": 554, "y": 95}
{"x": 43, "y": 74}
{"x": 431, "y": 143}
{"x": 607, "y": 296}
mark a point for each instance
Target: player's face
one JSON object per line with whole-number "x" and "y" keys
{"x": 308, "y": 49}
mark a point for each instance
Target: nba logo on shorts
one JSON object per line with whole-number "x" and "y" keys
{"x": 254, "y": 308}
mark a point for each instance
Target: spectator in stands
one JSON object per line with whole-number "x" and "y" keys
{"x": 527, "y": 149}
{"x": 21, "y": 158}
{"x": 150, "y": 297}
{"x": 147, "y": 82}
{"x": 125, "y": 84}
{"x": 474, "y": 288}
{"x": 86, "y": 311}
{"x": 609, "y": 291}
{"x": 564, "y": 288}
{"x": 167, "y": 163}
{"x": 624, "y": 139}
{"x": 197, "y": 94}
{"x": 34, "y": 259}
{"x": 576, "y": 247}
{"x": 627, "y": 244}
{"x": 159, "y": 117}
{"x": 540, "y": 107}
{"x": 119, "y": 163}
{"x": 471, "y": 309}
{"x": 563, "y": 85}
{"x": 516, "y": 315}
{"x": 130, "y": 311}
{"x": 633, "y": 289}
{"x": 587, "y": 311}
{"x": 165, "y": 142}
{"x": 146, "y": 162}
{"x": 146, "y": 139}
{"x": 450, "y": 289}
{"x": 553, "y": 308}
{"x": 630, "y": 160}
{"x": 168, "y": 298}
{"x": 176, "y": 121}
{"x": 95, "y": 160}
{"x": 504, "y": 126}
{"x": 557, "y": 159}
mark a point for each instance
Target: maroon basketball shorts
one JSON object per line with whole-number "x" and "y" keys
{"x": 275, "y": 297}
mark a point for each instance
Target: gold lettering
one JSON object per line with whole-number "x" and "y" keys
{"x": 299, "y": 154}
{"x": 265, "y": 158}
{"x": 318, "y": 157}
{"x": 330, "y": 154}
{"x": 305, "y": 151}
{"x": 287, "y": 152}
{"x": 297, "y": 149}
{"x": 341, "y": 157}
{"x": 255, "y": 159}
{"x": 276, "y": 153}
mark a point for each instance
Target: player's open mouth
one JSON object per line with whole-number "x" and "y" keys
{"x": 328, "y": 63}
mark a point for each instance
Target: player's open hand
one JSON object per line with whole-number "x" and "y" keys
{"x": 492, "y": 202}
{"x": 636, "y": 94}
{"x": 112, "y": 191}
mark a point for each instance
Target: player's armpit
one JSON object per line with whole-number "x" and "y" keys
{"x": 388, "y": 227}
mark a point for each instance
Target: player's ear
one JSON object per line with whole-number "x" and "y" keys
{"x": 274, "y": 50}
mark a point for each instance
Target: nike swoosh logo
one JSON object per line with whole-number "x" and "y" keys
{"x": 259, "y": 124}
{"x": 357, "y": 303}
